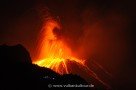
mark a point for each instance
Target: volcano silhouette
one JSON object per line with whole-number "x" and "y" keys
{"x": 18, "y": 72}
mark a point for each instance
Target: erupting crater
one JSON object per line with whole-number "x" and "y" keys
{"x": 53, "y": 52}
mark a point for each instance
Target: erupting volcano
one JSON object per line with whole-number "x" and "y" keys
{"x": 55, "y": 54}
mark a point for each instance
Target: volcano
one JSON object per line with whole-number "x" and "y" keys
{"x": 54, "y": 53}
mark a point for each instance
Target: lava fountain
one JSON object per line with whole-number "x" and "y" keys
{"x": 54, "y": 53}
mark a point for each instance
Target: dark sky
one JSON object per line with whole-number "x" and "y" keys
{"x": 20, "y": 22}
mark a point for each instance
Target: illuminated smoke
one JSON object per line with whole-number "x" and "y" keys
{"x": 60, "y": 43}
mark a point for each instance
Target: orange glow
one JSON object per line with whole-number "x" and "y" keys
{"x": 53, "y": 53}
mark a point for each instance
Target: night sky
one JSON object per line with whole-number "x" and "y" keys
{"x": 105, "y": 29}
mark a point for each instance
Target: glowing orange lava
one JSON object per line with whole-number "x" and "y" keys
{"x": 53, "y": 52}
